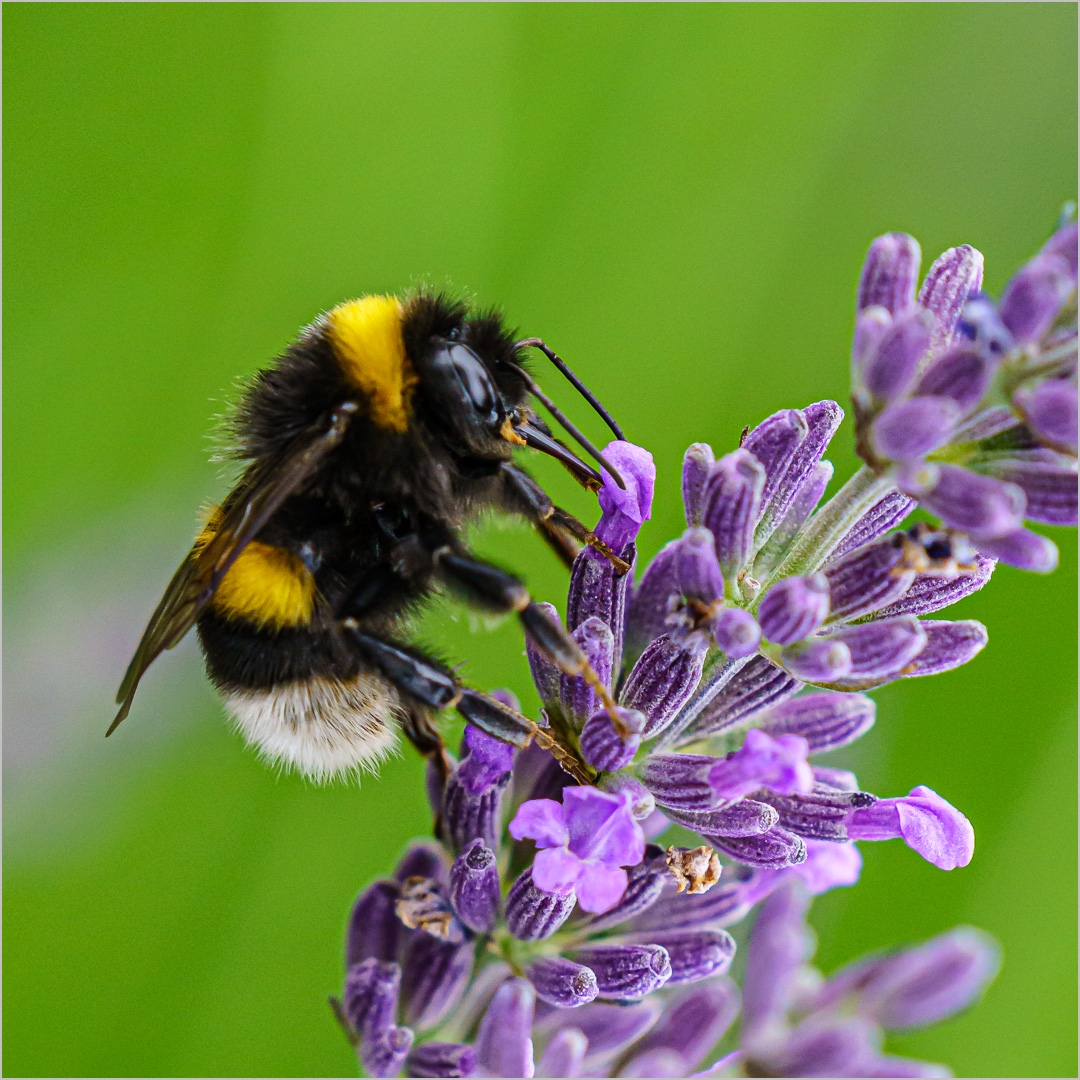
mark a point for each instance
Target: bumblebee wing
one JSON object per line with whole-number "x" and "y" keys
{"x": 250, "y": 506}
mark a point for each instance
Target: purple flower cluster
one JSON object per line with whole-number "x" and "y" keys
{"x": 971, "y": 407}
{"x": 544, "y": 932}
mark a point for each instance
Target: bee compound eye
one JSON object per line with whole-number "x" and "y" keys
{"x": 474, "y": 378}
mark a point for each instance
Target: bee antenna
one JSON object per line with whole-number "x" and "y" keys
{"x": 582, "y": 389}
{"x": 552, "y": 408}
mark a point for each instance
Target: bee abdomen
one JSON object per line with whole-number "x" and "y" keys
{"x": 321, "y": 727}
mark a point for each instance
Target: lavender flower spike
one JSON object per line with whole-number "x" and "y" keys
{"x": 927, "y": 823}
{"x": 504, "y": 1044}
{"x": 584, "y": 843}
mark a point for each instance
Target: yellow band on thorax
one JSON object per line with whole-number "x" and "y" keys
{"x": 366, "y": 336}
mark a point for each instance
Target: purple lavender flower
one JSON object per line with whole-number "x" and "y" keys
{"x": 740, "y": 652}
{"x": 584, "y": 843}
{"x": 945, "y": 415}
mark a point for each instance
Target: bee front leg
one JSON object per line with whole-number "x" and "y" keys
{"x": 556, "y": 525}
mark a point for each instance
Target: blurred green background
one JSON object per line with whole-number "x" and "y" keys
{"x": 679, "y": 199}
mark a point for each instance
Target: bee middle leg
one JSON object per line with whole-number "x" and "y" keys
{"x": 497, "y": 590}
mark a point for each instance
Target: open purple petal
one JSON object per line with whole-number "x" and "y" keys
{"x": 542, "y": 820}
{"x": 624, "y": 511}
{"x": 600, "y": 887}
{"x": 928, "y": 824}
{"x": 778, "y": 764}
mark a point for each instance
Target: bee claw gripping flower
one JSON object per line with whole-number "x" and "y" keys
{"x": 545, "y": 932}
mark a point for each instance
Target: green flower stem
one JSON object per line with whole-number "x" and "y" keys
{"x": 831, "y": 523}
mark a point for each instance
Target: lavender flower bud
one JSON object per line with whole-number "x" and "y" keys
{"x": 1034, "y": 296}
{"x": 1022, "y": 548}
{"x": 772, "y": 850}
{"x": 608, "y": 1029}
{"x": 928, "y": 824}
{"x": 697, "y": 570}
{"x": 385, "y": 1055}
{"x": 723, "y": 905}
{"x": 826, "y": 1046}
{"x": 759, "y": 684}
{"x": 440, "y": 1059}
{"x": 694, "y": 1021}
{"x": 680, "y": 781}
{"x": 966, "y": 501}
{"x": 696, "y": 954}
{"x": 434, "y": 977}
{"x": 876, "y": 522}
{"x": 816, "y": 660}
{"x": 1050, "y": 410}
{"x": 579, "y": 700}
{"x": 736, "y": 633}
{"x": 663, "y": 678}
{"x": 948, "y": 646}
{"x": 820, "y": 815}
{"x": 695, "y": 473}
{"x": 423, "y": 859}
{"x": 868, "y": 578}
{"x": 545, "y": 674}
{"x": 370, "y": 999}
{"x": 532, "y": 914}
{"x": 914, "y": 427}
{"x": 779, "y": 944}
{"x": 871, "y": 326}
{"x": 837, "y": 779}
{"x": 503, "y": 1043}
{"x": 920, "y": 986}
{"x": 889, "y": 372}
{"x": 647, "y": 618}
{"x": 606, "y": 749}
{"x": 627, "y": 972}
{"x": 732, "y": 507}
{"x": 474, "y": 887}
{"x": 747, "y": 817}
{"x": 1063, "y": 244}
{"x": 597, "y": 590}
{"x": 794, "y": 608}
{"x": 802, "y": 506}
{"x": 890, "y": 273}
{"x": 828, "y": 864}
{"x": 774, "y": 442}
{"x": 961, "y": 375}
{"x": 561, "y": 982}
{"x": 954, "y": 276}
{"x": 564, "y": 1055}
{"x": 1048, "y": 481}
{"x": 825, "y": 720}
{"x": 472, "y": 801}
{"x": 929, "y": 593}
{"x": 374, "y": 929}
{"x": 881, "y": 649}
{"x": 822, "y": 419}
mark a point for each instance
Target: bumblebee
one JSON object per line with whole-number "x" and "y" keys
{"x": 367, "y": 446}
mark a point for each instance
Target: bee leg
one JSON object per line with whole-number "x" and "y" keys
{"x": 554, "y": 523}
{"x": 497, "y": 590}
{"x": 425, "y": 683}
